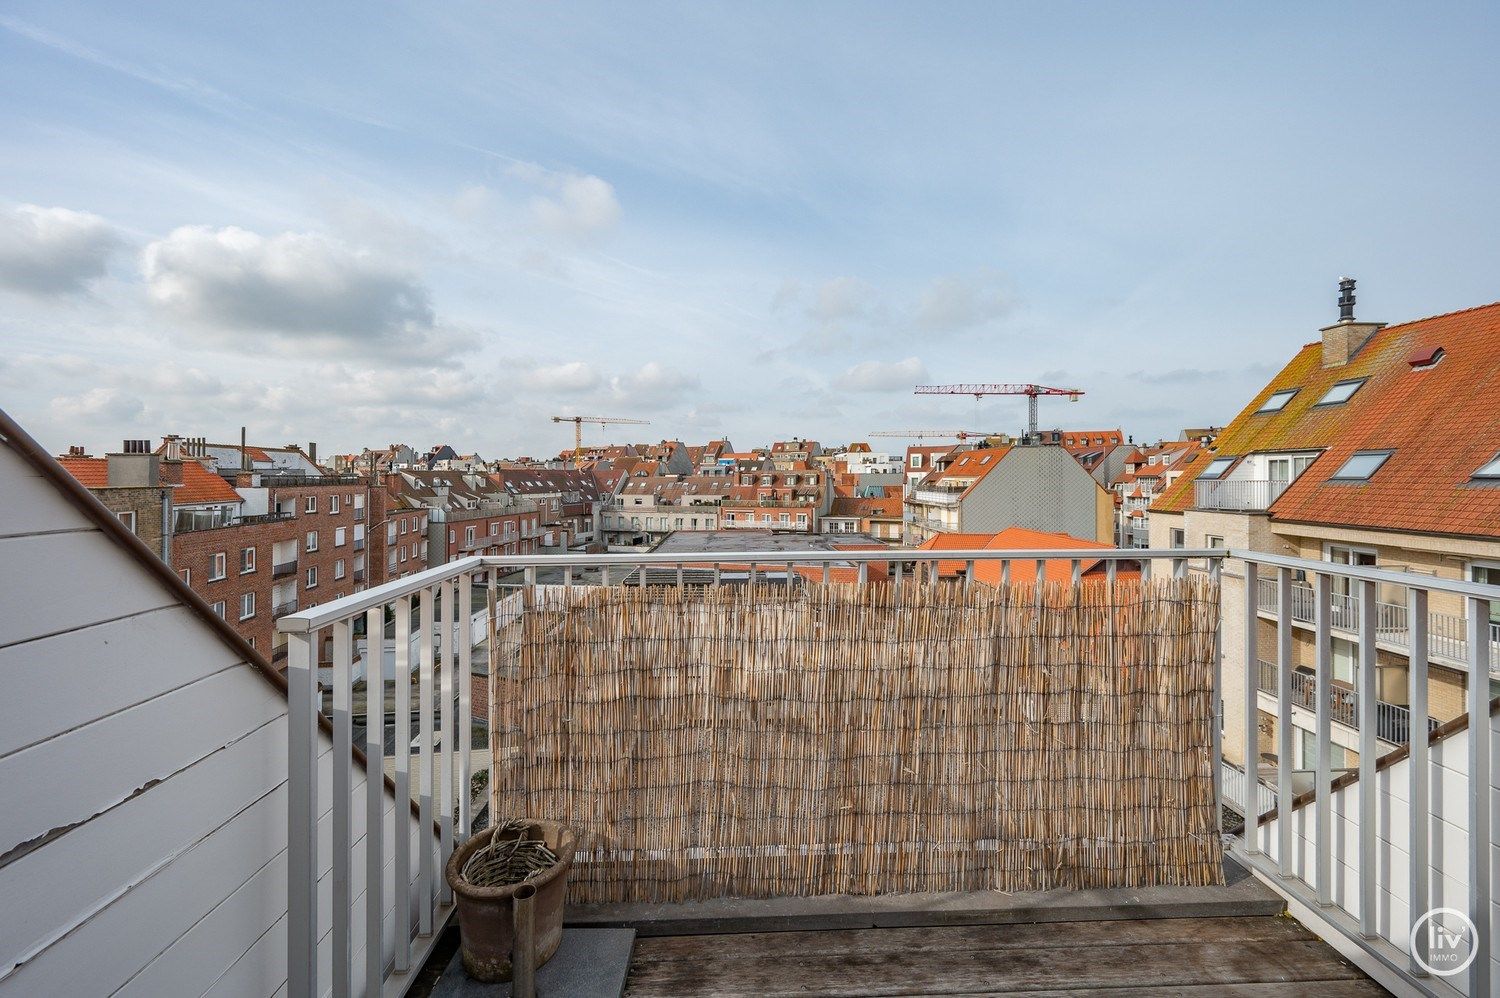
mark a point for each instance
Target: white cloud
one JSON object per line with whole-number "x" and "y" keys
{"x": 652, "y": 386}
{"x": 881, "y": 376}
{"x": 840, "y": 299}
{"x": 951, "y": 304}
{"x": 573, "y": 204}
{"x": 570, "y": 378}
{"x": 297, "y": 286}
{"x": 99, "y": 406}
{"x": 53, "y": 251}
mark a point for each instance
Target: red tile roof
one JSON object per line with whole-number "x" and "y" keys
{"x": 91, "y": 472}
{"x": 1020, "y": 539}
{"x": 1441, "y": 423}
{"x": 199, "y": 485}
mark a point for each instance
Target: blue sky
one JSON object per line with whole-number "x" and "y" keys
{"x": 368, "y": 224}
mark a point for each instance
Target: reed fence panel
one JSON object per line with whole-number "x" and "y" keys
{"x": 761, "y": 741}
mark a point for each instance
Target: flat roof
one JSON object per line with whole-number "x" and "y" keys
{"x": 748, "y": 541}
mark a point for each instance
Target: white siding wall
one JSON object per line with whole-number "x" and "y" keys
{"x": 1447, "y": 851}
{"x": 143, "y": 774}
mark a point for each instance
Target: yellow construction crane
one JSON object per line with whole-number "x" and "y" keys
{"x": 578, "y": 422}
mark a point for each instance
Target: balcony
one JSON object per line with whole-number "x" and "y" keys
{"x": 359, "y": 575}
{"x": 359, "y": 514}
{"x": 1446, "y": 635}
{"x": 1234, "y": 495}
{"x": 936, "y": 497}
{"x": 282, "y": 569}
{"x": 752, "y": 665}
{"x": 359, "y": 543}
{"x": 284, "y": 607}
{"x": 1392, "y": 721}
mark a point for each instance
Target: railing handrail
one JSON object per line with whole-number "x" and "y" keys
{"x": 329, "y": 613}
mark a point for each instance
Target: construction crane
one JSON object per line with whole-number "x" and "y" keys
{"x": 578, "y": 422}
{"x": 924, "y": 434}
{"x": 979, "y": 391}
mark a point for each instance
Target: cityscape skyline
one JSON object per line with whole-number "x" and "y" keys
{"x": 729, "y": 222}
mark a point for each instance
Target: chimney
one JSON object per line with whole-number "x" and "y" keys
{"x": 134, "y": 467}
{"x": 312, "y": 451}
{"x": 1343, "y": 339}
{"x": 171, "y": 447}
{"x": 77, "y": 451}
{"x": 244, "y": 452}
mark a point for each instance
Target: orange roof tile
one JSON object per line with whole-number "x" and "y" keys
{"x": 91, "y": 472}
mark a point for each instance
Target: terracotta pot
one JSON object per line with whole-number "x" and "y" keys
{"x": 485, "y": 913}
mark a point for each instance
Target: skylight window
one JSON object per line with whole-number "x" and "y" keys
{"x": 1278, "y": 400}
{"x": 1361, "y": 466}
{"x": 1217, "y": 467}
{"x": 1341, "y": 392}
{"x": 1491, "y": 471}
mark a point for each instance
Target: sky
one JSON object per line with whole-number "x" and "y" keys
{"x": 368, "y": 224}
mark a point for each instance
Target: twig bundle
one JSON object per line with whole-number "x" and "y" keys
{"x": 508, "y": 861}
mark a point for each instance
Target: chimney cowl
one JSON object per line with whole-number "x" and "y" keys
{"x": 1346, "y": 299}
{"x": 1345, "y": 338}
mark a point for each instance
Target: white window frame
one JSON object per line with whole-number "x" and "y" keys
{"x": 247, "y": 565}
{"x": 310, "y": 504}
{"x": 247, "y": 599}
{"x": 1383, "y": 455}
{"x": 1285, "y": 395}
{"x": 218, "y": 566}
{"x": 218, "y": 608}
{"x": 127, "y": 517}
{"x": 312, "y": 541}
{"x": 1353, "y": 384}
{"x": 312, "y": 577}
{"x": 333, "y": 504}
{"x": 339, "y": 535}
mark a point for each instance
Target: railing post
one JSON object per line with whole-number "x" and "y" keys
{"x": 1323, "y": 736}
{"x": 343, "y": 840}
{"x": 1418, "y": 801}
{"x": 447, "y": 632}
{"x": 426, "y": 625}
{"x": 465, "y": 726}
{"x": 1215, "y": 572}
{"x": 401, "y": 843}
{"x": 1284, "y": 729}
{"x": 1368, "y": 752}
{"x": 1251, "y": 708}
{"x": 1480, "y": 775}
{"x": 302, "y": 817}
{"x": 375, "y": 799}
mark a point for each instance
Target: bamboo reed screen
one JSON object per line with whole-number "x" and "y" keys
{"x": 844, "y": 739}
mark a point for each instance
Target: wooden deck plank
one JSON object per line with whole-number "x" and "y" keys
{"x": 1145, "y": 956}
{"x": 763, "y": 945}
{"x": 1363, "y": 988}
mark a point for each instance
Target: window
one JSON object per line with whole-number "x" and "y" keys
{"x": 1361, "y": 466}
{"x": 1341, "y": 392}
{"x": 1345, "y": 659}
{"x": 1213, "y": 541}
{"x": 310, "y": 504}
{"x": 338, "y": 537}
{"x": 247, "y": 606}
{"x": 1217, "y": 467}
{"x": 1284, "y": 470}
{"x": 1176, "y": 538}
{"x": 186, "y": 575}
{"x": 1489, "y": 472}
{"x": 402, "y": 521}
{"x": 247, "y": 560}
{"x": 403, "y": 554}
{"x": 338, "y": 569}
{"x": 1277, "y": 401}
{"x": 1489, "y": 575}
{"x": 333, "y": 504}
{"x": 312, "y": 577}
{"x": 218, "y": 608}
{"x": 468, "y": 535}
{"x": 312, "y": 541}
{"x": 217, "y": 569}
{"x": 127, "y": 517}
{"x": 494, "y": 528}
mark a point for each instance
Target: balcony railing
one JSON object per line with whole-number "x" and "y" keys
{"x": 282, "y": 569}
{"x": 283, "y": 608}
{"x": 186, "y": 521}
{"x": 435, "y": 632}
{"x": 1392, "y": 720}
{"x": 937, "y": 497}
{"x": 1237, "y": 495}
{"x": 359, "y": 514}
{"x": 1447, "y": 634}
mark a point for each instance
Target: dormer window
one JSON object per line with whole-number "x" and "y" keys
{"x": 1360, "y": 466}
{"x": 1341, "y": 392}
{"x": 1277, "y": 401}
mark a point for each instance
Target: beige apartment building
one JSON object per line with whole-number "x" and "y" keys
{"x": 1378, "y": 446}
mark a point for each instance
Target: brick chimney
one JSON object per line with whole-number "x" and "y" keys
{"x": 1343, "y": 339}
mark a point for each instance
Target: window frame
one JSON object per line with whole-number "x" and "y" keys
{"x": 310, "y": 581}
{"x": 1266, "y": 407}
{"x": 1348, "y": 479}
{"x": 250, "y": 597}
{"x": 1356, "y": 383}
{"x": 309, "y": 504}
{"x": 1489, "y": 471}
{"x": 310, "y": 542}
{"x": 1205, "y": 475}
{"x": 218, "y": 566}
{"x": 247, "y": 566}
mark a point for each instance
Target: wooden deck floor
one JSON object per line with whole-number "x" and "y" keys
{"x": 1250, "y": 955}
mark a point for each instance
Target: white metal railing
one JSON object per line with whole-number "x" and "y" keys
{"x": 1232, "y": 789}
{"x": 1241, "y": 495}
{"x": 442, "y": 648}
{"x": 1351, "y": 901}
{"x": 937, "y": 497}
{"x": 1393, "y": 720}
{"x": 1447, "y": 634}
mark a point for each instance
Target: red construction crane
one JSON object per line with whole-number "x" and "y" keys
{"x": 578, "y": 422}
{"x": 979, "y": 391}
{"x": 923, "y": 434}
